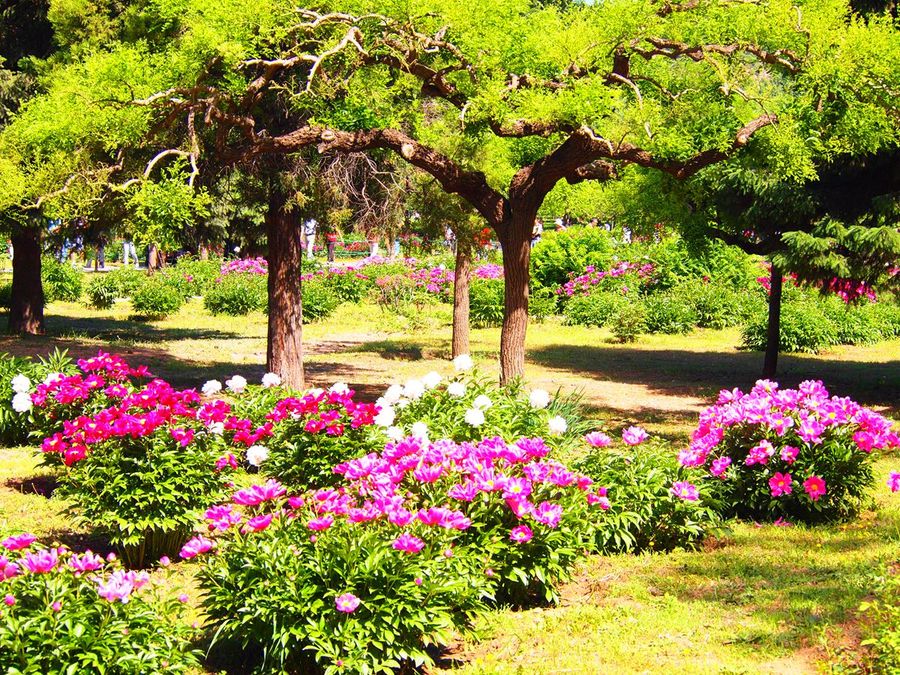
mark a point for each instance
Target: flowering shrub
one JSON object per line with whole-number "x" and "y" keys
{"x": 63, "y": 612}
{"x": 144, "y": 468}
{"x": 466, "y": 407}
{"x": 348, "y": 283}
{"x": 435, "y": 280}
{"x": 18, "y": 378}
{"x": 489, "y": 271}
{"x": 583, "y": 283}
{"x": 790, "y": 453}
{"x": 236, "y": 294}
{"x": 257, "y": 266}
{"x": 406, "y": 548}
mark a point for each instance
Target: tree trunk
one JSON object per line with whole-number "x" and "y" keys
{"x": 153, "y": 256}
{"x": 773, "y": 332}
{"x": 461, "y": 274}
{"x": 26, "y": 312}
{"x": 284, "y": 349}
{"x": 516, "y": 242}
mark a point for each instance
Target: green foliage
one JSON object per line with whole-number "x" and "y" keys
{"x": 15, "y": 426}
{"x": 715, "y": 305}
{"x": 558, "y": 253}
{"x": 348, "y": 285}
{"x": 628, "y": 322}
{"x": 102, "y": 292}
{"x": 5, "y": 296}
{"x": 156, "y": 299}
{"x": 127, "y": 280}
{"x": 486, "y": 302}
{"x": 881, "y": 624}
{"x": 236, "y": 294}
{"x": 595, "y": 308}
{"x": 669, "y": 313}
{"x": 643, "y": 514}
{"x": 59, "y": 623}
{"x": 197, "y": 275}
{"x": 319, "y": 302}
{"x": 61, "y": 281}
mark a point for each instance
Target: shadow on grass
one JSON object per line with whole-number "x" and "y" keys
{"x": 681, "y": 372}
{"x": 42, "y": 485}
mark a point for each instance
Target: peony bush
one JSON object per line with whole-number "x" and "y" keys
{"x": 797, "y": 454}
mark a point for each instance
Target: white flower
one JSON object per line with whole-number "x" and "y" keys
{"x": 385, "y": 416}
{"x": 402, "y": 403}
{"x": 339, "y": 388}
{"x": 482, "y": 402}
{"x": 315, "y": 392}
{"x": 270, "y": 380}
{"x": 395, "y": 433}
{"x": 463, "y": 362}
{"x": 257, "y": 454}
{"x": 474, "y": 417}
{"x": 53, "y": 377}
{"x": 236, "y": 384}
{"x": 21, "y": 402}
{"x": 539, "y": 399}
{"x": 21, "y": 384}
{"x": 414, "y": 389}
{"x": 431, "y": 380}
{"x": 456, "y": 389}
{"x": 393, "y": 393}
{"x": 217, "y": 428}
{"x": 212, "y": 388}
{"x": 557, "y": 425}
{"x": 419, "y": 430}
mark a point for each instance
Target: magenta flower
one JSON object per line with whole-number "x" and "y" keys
{"x": 780, "y": 484}
{"x": 521, "y": 534}
{"x": 195, "y": 547}
{"x": 719, "y": 466}
{"x": 41, "y": 562}
{"x": 182, "y": 436}
{"x": 347, "y": 603}
{"x": 894, "y": 481}
{"x": 597, "y": 439}
{"x": 18, "y": 541}
{"x": 684, "y": 490}
{"x": 789, "y": 453}
{"x": 222, "y": 517}
{"x": 408, "y": 543}
{"x": 319, "y": 524}
{"x": 516, "y": 488}
{"x": 257, "y": 494}
{"x": 815, "y": 487}
{"x": 9, "y": 600}
{"x": 121, "y": 585}
{"x": 85, "y": 563}
{"x": 548, "y": 514}
{"x": 260, "y": 523}
{"x": 634, "y": 436}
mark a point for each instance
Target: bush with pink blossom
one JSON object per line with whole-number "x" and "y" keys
{"x": 797, "y": 454}
{"x": 66, "y": 612}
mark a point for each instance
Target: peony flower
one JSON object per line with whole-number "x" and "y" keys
{"x": 474, "y": 417}
{"x": 408, "y": 543}
{"x": 789, "y": 453}
{"x": 319, "y": 524}
{"x": 719, "y": 466}
{"x": 393, "y": 394}
{"x": 195, "y": 547}
{"x": 86, "y": 563}
{"x": 482, "y": 402}
{"x": 413, "y": 389}
{"x": 815, "y": 487}
{"x": 18, "y": 541}
{"x": 431, "y": 380}
{"x": 780, "y": 484}
{"x": 257, "y": 494}
{"x": 260, "y": 523}
{"x": 385, "y": 416}
{"x": 557, "y": 425}
{"x": 21, "y": 384}
{"x": 270, "y": 380}
{"x": 462, "y": 363}
{"x": 684, "y": 490}
{"x": 893, "y": 481}
{"x": 394, "y": 433}
{"x": 339, "y": 388}
{"x": 597, "y": 439}
{"x": 548, "y": 514}
{"x": 21, "y": 402}
{"x": 9, "y": 600}
{"x": 419, "y": 430}
{"x": 41, "y": 562}
{"x": 634, "y": 436}
{"x": 257, "y": 454}
{"x": 347, "y": 603}
{"x": 236, "y": 384}
{"x": 539, "y": 399}
{"x": 521, "y": 534}
{"x": 211, "y": 388}
{"x": 456, "y": 389}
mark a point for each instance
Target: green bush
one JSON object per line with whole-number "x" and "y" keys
{"x": 853, "y": 325}
{"x": 594, "y": 309}
{"x": 16, "y": 425}
{"x": 541, "y": 304}
{"x": 198, "y": 276}
{"x": 715, "y": 305}
{"x": 669, "y": 313}
{"x": 644, "y": 515}
{"x": 886, "y": 315}
{"x": 349, "y": 285}
{"x": 156, "y": 300}
{"x": 127, "y": 280}
{"x": 319, "y": 302}
{"x": 628, "y": 322}
{"x": 486, "y": 302}
{"x": 559, "y": 253}
{"x": 236, "y": 294}
{"x": 102, "y": 292}
{"x": 5, "y": 295}
{"x": 804, "y": 328}
{"x": 61, "y": 281}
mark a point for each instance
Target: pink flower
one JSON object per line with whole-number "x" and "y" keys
{"x": 18, "y": 541}
{"x": 257, "y": 494}
{"x": 719, "y": 466}
{"x": 684, "y": 490}
{"x": 521, "y": 534}
{"x": 516, "y": 488}
{"x": 9, "y": 600}
{"x": 789, "y": 453}
{"x": 347, "y": 603}
{"x": 548, "y": 514}
{"x": 634, "y": 436}
{"x": 894, "y": 481}
{"x": 319, "y": 524}
{"x": 86, "y": 563}
{"x": 183, "y": 598}
{"x": 597, "y": 439}
{"x": 195, "y": 547}
{"x": 56, "y": 606}
{"x": 41, "y": 562}
{"x": 182, "y": 436}
{"x": 120, "y": 585}
{"x": 780, "y": 484}
{"x": 815, "y": 487}
{"x": 408, "y": 543}
{"x": 222, "y": 517}
{"x": 260, "y": 523}
{"x": 781, "y": 522}
{"x": 760, "y": 453}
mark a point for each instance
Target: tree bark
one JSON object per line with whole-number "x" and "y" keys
{"x": 773, "y": 331}
{"x": 26, "y": 313}
{"x": 461, "y": 275}
{"x": 284, "y": 348}
{"x": 516, "y": 242}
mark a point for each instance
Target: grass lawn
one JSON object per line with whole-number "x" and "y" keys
{"x": 762, "y": 599}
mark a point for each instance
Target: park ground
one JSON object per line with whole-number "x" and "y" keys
{"x": 760, "y": 599}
